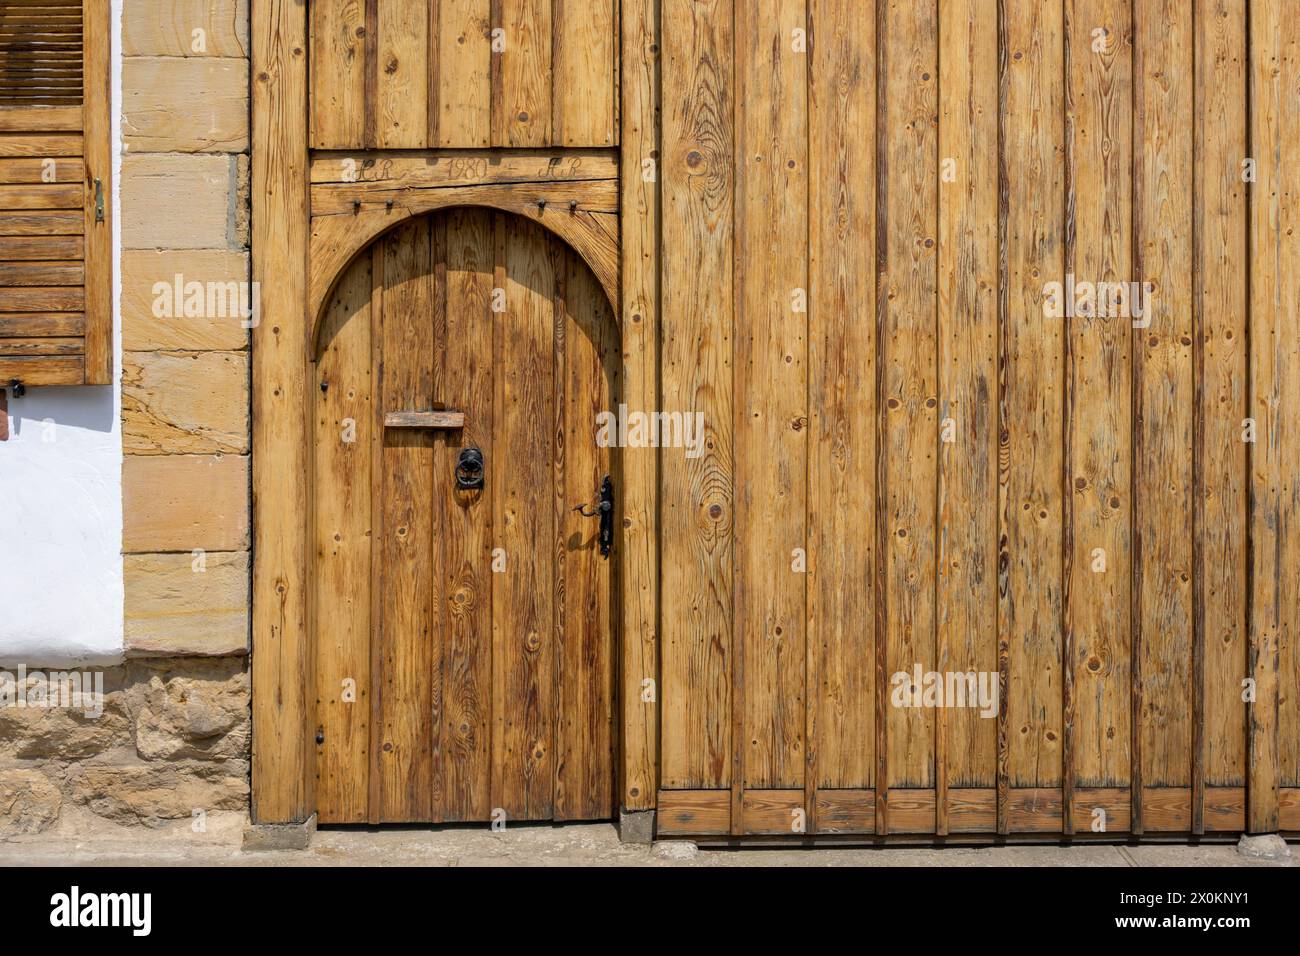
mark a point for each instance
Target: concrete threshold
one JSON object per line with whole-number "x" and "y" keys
{"x": 568, "y": 845}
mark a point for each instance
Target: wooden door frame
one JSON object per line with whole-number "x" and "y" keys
{"x": 622, "y": 252}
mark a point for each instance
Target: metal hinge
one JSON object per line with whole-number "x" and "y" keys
{"x": 99, "y": 200}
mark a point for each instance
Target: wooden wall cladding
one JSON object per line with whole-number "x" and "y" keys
{"x": 403, "y": 74}
{"x": 910, "y": 463}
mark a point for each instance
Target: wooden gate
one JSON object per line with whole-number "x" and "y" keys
{"x": 989, "y": 312}
{"x": 464, "y": 635}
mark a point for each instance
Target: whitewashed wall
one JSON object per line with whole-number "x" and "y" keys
{"x": 61, "y": 500}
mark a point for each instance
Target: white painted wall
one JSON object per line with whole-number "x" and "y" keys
{"x": 61, "y": 499}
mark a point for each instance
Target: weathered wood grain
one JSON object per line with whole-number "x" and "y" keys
{"x": 1031, "y": 372}
{"x": 338, "y": 70}
{"x": 434, "y": 419}
{"x": 461, "y": 167}
{"x": 462, "y": 89}
{"x": 696, "y": 494}
{"x": 636, "y": 538}
{"x": 967, "y": 599}
{"x": 841, "y": 637}
{"x": 407, "y": 629}
{"x": 523, "y": 596}
{"x": 521, "y": 109}
{"x": 466, "y": 520}
{"x": 1098, "y": 398}
{"x": 585, "y": 37}
{"x": 1274, "y": 367}
{"x": 343, "y": 427}
{"x": 402, "y": 75}
{"x": 1220, "y": 311}
{"x": 1163, "y": 401}
{"x": 907, "y": 303}
{"x": 771, "y": 398}
{"x": 283, "y": 781}
{"x": 588, "y": 384}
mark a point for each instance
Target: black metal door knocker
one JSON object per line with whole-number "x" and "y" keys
{"x": 604, "y": 509}
{"x": 469, "y": 469}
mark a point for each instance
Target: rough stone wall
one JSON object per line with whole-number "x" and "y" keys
{"x": 166, "y": 740}
{"x": 172, "y": 742}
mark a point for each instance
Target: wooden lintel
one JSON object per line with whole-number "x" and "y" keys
{"x": 572, "y": 195}
{"x": 461, "y": 167}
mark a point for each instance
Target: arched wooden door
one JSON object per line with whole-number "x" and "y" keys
{"x": 465, "y": 643}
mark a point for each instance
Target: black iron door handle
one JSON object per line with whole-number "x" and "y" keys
{"x": 469, "y": 469}
{"x": 604, "y": 509}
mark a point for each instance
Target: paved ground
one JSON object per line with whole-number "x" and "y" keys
{"x": 541, "y": 845}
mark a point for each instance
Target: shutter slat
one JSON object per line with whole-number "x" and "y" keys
{"x": 52, "y": 223}
{"x": 42, "y": 273}
{"x": 43, "y": 196}
{"x": 43, "y": 145}
{"x": 37, "y": 324}
{"x": 46, "y": 346}
{"x": 40, "y": 119}
{"x": 34, "y": 170}
{"x": 43, "y": 299}
{"x": 44, "y": 369}
{"x": 42, "y": 248}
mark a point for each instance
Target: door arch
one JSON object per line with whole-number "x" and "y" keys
{"x": 464, "y": 638}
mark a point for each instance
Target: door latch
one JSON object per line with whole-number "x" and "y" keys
{"x": 99, "y": 200}
{"x": 469, "y": 469}
{"x": 603, "y": 509}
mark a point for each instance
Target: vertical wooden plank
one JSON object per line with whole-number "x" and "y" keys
{"x": 967, "y": 341}
{"x": 1285, "y": 244}
{"x": 585, "y": 38}
{"x": 407, "y": 632}
{"x": 342, "y": 442}
{"x": 584, "y": 784}
{"x": 522, "y": 100}
{"x": 1220, "y": 573}
{"x": 841, "y": 400}
{"x": 636, "y": 537}
{"x": 377, "y": 434}
{"x": 559, "y": 507}
{"x": 1099, "y": 413}
{"x": 522, "y": 478}
{"x": 1274, "y": 367}
{"x": 338, "y": 74}
{"x": 907, "y": 296}
{"x": 1031, "y": 350}
{"x": 771, "y": 411}
{"x": 282, "y": 710}
{"x": 98, "y": 138}
{"x": 497, "y": 502}
{"x": 462, "y": 70}
{"x": 696, "y": 492}
{"x": 465, "y": 383}
{"x": 402, "y": 65}
{"x": 1163, "y": 393}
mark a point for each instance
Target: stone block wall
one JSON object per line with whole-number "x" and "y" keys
{"x": 172, "y": 741}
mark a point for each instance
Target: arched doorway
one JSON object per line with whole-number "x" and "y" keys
{"x": 464, "y": 634}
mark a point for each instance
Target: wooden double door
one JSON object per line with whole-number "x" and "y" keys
{"x": 464, "y": 636}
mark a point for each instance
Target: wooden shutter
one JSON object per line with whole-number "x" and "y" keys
{"x": 56, "y": 323}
